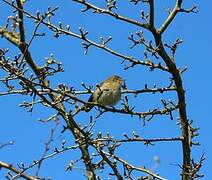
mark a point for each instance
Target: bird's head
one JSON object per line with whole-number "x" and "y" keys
{"x": 117, "y": 79}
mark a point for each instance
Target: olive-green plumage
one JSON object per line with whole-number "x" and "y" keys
{"x": 107, "y": 93}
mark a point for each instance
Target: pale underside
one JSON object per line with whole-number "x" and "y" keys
{"x": 108, "y": 97}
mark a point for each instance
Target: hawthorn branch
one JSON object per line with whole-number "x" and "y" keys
{"x": 152, "y": 14}
{"x": 82, "y": 36}
{"x": 185, "y": 127}
{"x": 137, "y": 139}
{"x": 131, "y": 167}
{"x": 67, "y": 93}
{"x": 171, "y": 16}
{"x": 18, "y": 172}
{"x": 110, "y": 13}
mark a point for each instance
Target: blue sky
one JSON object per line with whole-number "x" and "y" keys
{"x": 29, "y": 134}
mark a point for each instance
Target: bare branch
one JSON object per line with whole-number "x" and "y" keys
{"x": 18, "y": 172}
{"x": 171, "y": 16}
{"x": 108, "y": 12}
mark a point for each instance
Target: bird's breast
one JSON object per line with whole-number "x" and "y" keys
{"x": 110, "y": 97}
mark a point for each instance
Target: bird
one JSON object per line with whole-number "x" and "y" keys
{"x": 107, "y": 93}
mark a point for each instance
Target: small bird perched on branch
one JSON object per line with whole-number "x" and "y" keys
{"x": 107, "y": 93}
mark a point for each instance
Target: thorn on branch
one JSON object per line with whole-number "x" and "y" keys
{"x": 2, "y": 145}
{"x": 85, "y": 9}
{"x": 128, "y": 138}
{"x": 86, "y": 46}
{"x": 194, "y": 172}
{"x": 183, "y": 70}
{"x": 136, "y": 42}
{"x": 64, "y": 129}
{"x": 68, "y": 27}
{"x": 88, "y": 88}
{"x": 145, "y": 17}
{"x": 190, "y": 10}
{"x": 82, "y": 33}
{"x": 104, "y": 42}
{"x": 111, "y": 4}
{"x": 173, "y": 47}
{"x": 126, "y": 105}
